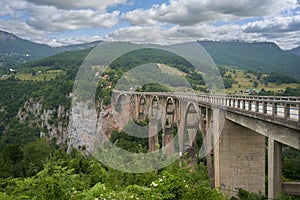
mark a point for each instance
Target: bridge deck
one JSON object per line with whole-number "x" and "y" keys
{"x": 281, "y": 110}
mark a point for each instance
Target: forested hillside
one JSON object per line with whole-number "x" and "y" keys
{"x": 15, "y": 50}
{"x": 261, "y": 56}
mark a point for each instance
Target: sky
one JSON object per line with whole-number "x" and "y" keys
{"x": 58, "y": 22}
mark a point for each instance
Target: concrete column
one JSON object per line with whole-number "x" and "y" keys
{"x": 131, "y": 108}
{"x": 265, "y": 107}
{"x": 137, "y": 104}
{"x": 298, "y": 112}
{"x": 286, "y": 111}
{"x": 274, "y": 168}
{"x": 257, "y": 106}
{"x": 168, "y": 141}
{"x": 207, "y": 142}
{"x": 239, "y": 159}
{"x": 181, "y": 130}
{"x": 250, "y": 105}
{"x": 274, "y": 109}
{"x": 214, "y": 129}
{"x": 153, "y": 136}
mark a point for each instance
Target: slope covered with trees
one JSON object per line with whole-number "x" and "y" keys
{"x": 261, "y": 56}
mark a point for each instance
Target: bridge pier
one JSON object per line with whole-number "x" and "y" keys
{"x": 274, "y": 168}
{"x": 239, "y": 159}
{"x": 153, "y": 135}
{"x": 205, "y": 118}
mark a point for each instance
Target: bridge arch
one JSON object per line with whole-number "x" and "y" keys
{"x": 169, "y": 126}
{"x": 118, "y": 102}
{"x": 188, "y": 141}
{"x": 142, "y": 107}
{"x": 154, "y": 107}
{"x": 170, "y": 110}
{"x": 132, "y": 106}
{"x": 154, "y": 125}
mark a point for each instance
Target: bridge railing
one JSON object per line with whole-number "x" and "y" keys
{"x": 287, "y": 108}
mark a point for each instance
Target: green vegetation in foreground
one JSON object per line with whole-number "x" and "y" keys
{"x": 40, "y": 171}
{"x": 74, "y": 176}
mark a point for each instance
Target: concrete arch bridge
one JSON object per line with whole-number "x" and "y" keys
{"x": 234, "y": 130}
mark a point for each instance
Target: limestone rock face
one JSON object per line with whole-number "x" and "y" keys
{"x": 81, "y": 127}
{"x": 52, "y": 122}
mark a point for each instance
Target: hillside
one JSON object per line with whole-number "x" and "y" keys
{"x": 261, "y": 56}
{"x": 295, "y": 51}
{"x": 15, "y": 50}
{"x": 76, "y": 47}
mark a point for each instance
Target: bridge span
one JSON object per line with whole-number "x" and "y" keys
{"x": 234, "y": 130}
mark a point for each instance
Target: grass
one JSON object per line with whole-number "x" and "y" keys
{"x": 43, "y": 76}
{"x": 170, "y": 70}
{"x": 246, "y": 80}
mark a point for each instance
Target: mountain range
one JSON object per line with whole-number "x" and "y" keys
{"x": 256, "y": 56}
{"x": 15, "y": 50}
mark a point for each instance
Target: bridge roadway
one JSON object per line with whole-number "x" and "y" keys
{"x": 280, "y": 110}
{"x": 234, "y": 128}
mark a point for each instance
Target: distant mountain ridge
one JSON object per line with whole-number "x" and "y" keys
{"x": 295, "y": 51}
{"x": 15, "y": 50}
{"x": 75, "y": 47}
{"x": 255, "y": 56}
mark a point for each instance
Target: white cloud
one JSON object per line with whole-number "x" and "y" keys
{"x": 22, "y": 29}
{"x": 177, "y": 34}
{"x": 189, "y": 12}
{"x": 31, "y": 21}
{"x": 53, "y": 19}
{"x": 141, "y": 17}
{"x": 155, "y": 35}
{"x": 274, "y": 25}
{"x": 172, "y": 22}
{"x": 77, "y": 4}
{"x": 55, "y": 42}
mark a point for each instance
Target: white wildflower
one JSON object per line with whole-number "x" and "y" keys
{"x": 154, "y": 184}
